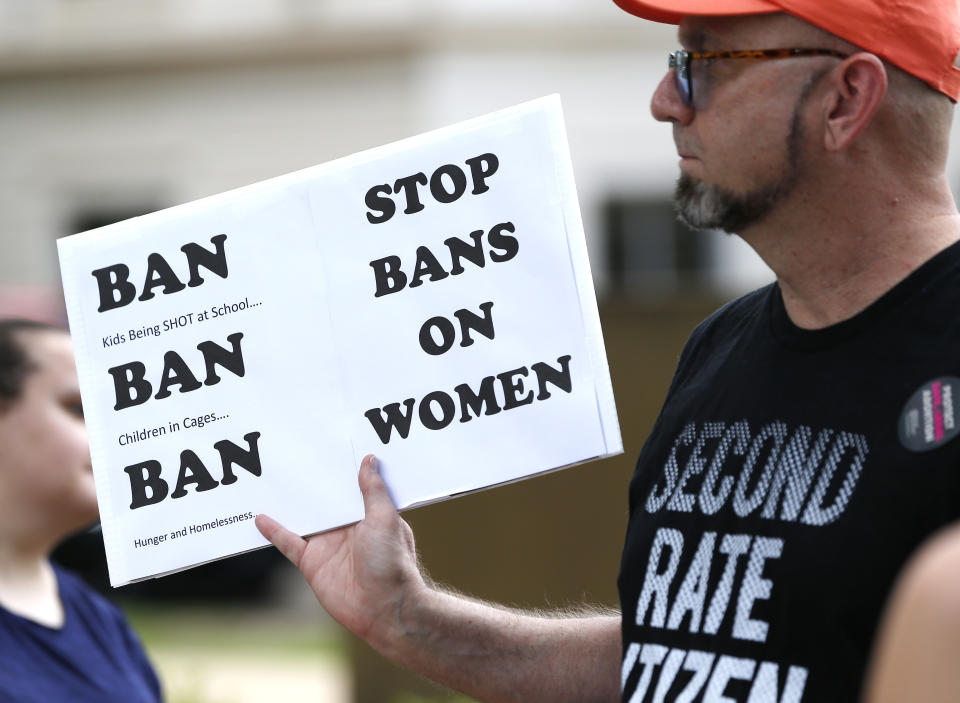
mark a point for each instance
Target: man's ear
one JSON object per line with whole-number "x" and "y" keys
{"x": 856, "y": 88}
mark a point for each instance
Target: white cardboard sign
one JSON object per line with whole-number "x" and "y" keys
{"x": 429, "y": 301}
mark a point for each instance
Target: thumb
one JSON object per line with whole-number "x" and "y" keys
{"x": 377, "y": 502}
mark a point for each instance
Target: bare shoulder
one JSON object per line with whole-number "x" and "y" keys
{"x": 918, "y": 642}
{"x": 930, "y": 583}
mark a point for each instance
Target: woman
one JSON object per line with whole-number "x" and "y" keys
{"x": 59, "y": 640}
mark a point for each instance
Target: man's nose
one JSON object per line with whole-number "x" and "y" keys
{"x": 666, "y": 105}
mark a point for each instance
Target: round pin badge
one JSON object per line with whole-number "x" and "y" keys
{"x": 929, "y": 419}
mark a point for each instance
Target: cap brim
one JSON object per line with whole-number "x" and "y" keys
{"x": 672, "y": 11}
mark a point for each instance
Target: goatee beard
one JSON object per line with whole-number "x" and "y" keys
{"x": 702, "y": 205}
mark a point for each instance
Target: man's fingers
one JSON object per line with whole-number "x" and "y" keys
{"x": 376, "y": 498}
{"x": 290, "y": 544}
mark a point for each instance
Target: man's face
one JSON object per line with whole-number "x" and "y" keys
{"x": 741, "y": 143}
{"x": 45, "y": 470}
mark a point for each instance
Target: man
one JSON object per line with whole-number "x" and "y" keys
{"x": 804, "y": 448}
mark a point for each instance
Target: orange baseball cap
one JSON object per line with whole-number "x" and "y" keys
{"x": 920, "y": 36}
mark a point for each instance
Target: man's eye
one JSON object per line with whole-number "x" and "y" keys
{"x": 75, "y": 408}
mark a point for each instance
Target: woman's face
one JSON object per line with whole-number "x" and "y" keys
{"x": 46, "y": 479}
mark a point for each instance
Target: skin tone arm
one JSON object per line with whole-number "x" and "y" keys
{"x": 919, "y": 641}
{"x": 367, "y": 577}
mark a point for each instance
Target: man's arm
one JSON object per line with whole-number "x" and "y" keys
{"x": 368, "y": 578}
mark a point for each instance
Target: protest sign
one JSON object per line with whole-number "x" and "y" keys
{"x": 429, "y": 301}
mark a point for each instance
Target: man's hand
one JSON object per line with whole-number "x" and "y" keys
{"x": 363, "y": 573}
{"x": 367, "y": 577}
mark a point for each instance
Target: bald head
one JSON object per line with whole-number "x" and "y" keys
{"x": 909, "y": 123}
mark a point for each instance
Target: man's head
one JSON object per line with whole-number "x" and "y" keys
{"x": 750, "y": 126}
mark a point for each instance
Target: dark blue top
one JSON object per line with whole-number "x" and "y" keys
{"x": 93, "y": 658}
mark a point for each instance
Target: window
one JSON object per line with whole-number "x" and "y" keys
{"x": 650, "y": 253}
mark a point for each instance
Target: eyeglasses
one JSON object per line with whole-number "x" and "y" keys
{"x": 681, "y": 61}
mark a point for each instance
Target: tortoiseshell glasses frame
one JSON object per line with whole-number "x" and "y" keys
{"x": 681, "y": 60}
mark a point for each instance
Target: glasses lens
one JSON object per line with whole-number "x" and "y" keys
{"x": 681, "y": 62}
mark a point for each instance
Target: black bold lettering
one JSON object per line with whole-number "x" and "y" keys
{"x": 481, "y": 168}
{"x": 159, "y": 274}
{"x": 388, "y": 275}
{"x": 395, "y": 418}
{"x": 426, "y": 265}
{"x": 447, "y": 332}
{"x": 230, "y": 454}
{"x": 409, "y": 185}
{"x": 447, "y": 408}
{"x": 213, "y": 261}
{"x": 130, "y": 386}
{"x": 115, "y": 290}
{"x": 143, "y": 476}
{"x": 176, "y": 372}
{"x": 486, "y": 398}
{"x": 558, "y": 377}
{"x": 512, "y": 388}
{"x": 498, "y": 240}
{"x": 214, "y": 355}
{"x": 460, "y": 249}
{"x": 472, "y": 321}
{"x": 458, "y": 179}
{"x": 378, "y": 201}
{"x": 198, "y": 474}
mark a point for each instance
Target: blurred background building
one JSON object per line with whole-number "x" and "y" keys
{"x": 112, "y": 108}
